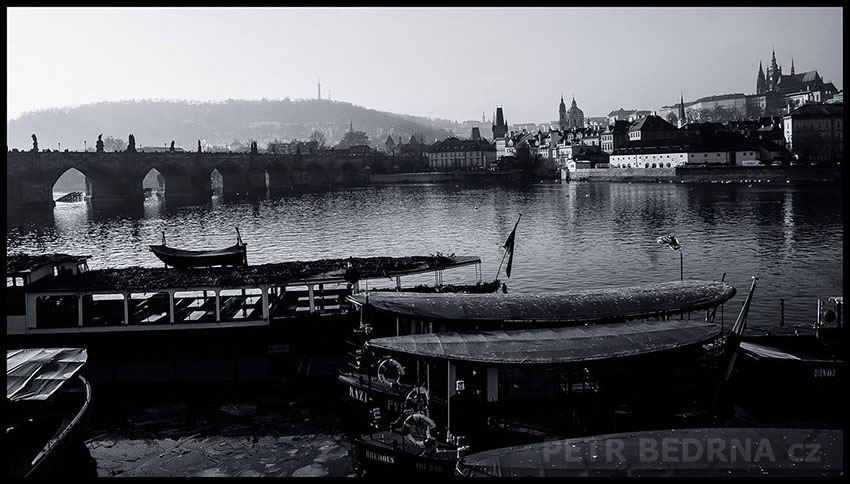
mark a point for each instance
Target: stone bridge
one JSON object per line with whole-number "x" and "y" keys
{"x": 118, "y": 176}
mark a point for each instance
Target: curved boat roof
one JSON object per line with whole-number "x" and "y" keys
{"x": 541, "y": 346}
{"x": 37, "y": 373}
{"x": 712, "y": 452}
{"x": 592, "y": 305}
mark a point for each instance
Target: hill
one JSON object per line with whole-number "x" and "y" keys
{"x": 157, "y": 122}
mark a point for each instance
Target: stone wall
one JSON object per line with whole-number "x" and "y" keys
{"x": 713, "y": 174}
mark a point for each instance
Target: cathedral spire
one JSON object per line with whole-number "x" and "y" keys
{"x": 761, "y": 83}
{"x": 681, "y": 122}
{"x": 792, "y": 66}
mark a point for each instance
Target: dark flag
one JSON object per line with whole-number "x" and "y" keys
{"x": 509, "y": 248}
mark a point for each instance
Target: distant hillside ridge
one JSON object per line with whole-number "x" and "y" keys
{"x": 157, "y": 122}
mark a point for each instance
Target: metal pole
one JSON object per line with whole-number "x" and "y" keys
{"x": 681, "y": 266}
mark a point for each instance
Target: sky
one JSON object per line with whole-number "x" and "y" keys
{"x": 450, "y": 63}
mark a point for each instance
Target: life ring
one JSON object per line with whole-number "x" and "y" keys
{"x": 417, "y": 429}
{"x": 385, "y": 365}
{"x": 417, "y": 399}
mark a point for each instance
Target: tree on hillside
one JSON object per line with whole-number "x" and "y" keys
{"x": 112, "y": 144}
{"x": 319, "y": 138}
{"x": 672, "y": 118}
{"x": 353, "y": 138}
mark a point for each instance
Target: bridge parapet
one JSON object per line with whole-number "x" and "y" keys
{"x": 118, "y": 176}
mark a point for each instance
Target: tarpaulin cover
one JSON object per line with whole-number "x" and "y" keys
{"x": 37, "y": 373}
{"x": 143, "y": 278}
{"x": 581, "y": 306}
{"x": 553, "y": 345}
{"x": 713, "y": 452}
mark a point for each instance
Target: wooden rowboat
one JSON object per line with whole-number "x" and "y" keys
{"x": 235, "y": 255}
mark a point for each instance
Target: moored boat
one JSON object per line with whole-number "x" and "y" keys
{"x": 221, "y": 323}
{"x": 478, "y": 389}
{"x": 235, "y": 255}
{"x": 398, "y": 314}
{"x": 802, "y": 367}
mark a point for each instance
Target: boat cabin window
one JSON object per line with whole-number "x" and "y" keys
{"x": 534, "y": 383}
{"x": 56, "y": 312}
{"x": 14, "y": 281}
{"x": 103, "y": 310}
{"x": 241, "y": 304}
{"x": 149, "y": 308}
{"x": 194, "y": 306}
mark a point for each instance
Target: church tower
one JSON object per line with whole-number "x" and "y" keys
{"x": 320, "y": 89}
{"x": 774, "y": 73}
{"x": 562, "y": 114}
{"x": 792, "y": 66}
{"x": 682, "y": 120}
{"x": 575, "y": 116}
{"x": 761, "y": 83}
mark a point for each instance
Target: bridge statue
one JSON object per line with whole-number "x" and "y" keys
{"x": 171, "y": 149}
{"x": 34, "y": 143}
{"x": 254, "y": 147}
{"x": 131, "y": 145}
{"x": 99, "y": 144}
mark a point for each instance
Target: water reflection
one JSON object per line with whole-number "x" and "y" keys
{"x": 572, "y": 235}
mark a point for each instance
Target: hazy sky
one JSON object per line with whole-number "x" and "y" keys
{"x": 452, "y": 63}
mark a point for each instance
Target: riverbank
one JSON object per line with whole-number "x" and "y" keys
{"x": 450, "y": 176}
{"x": 718, "y": 174}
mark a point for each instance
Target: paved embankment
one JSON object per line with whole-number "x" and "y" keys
{"x": 717, "y": 174}
{"x": 283, "y": 431}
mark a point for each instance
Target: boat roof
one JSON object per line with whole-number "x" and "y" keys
{"x": 542, "y": 346}
{"x": 701, "y": 452}
{"x": 25, "y": 263}
{"x": 35, "y": 374}
{"x": 323, "y": 270}
{"x": 591, "y": 305}
{"x": 765, "y": 352}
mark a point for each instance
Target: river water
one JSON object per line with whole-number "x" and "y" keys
{"x": 571, "y": 235}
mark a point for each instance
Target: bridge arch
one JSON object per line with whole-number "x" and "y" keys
{"x": 71, "y": 181}
{"x": 314, "y": 174}
{"x": 103, "y": 182}
{"x": 154, "y": 183}
{"x": 234, "y": 179}
{"x": 181, "y": 179}
{"x": 279, "y": 177}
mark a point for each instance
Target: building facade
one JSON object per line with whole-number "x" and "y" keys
{"x": 814, "y": 133}
{"x": 453, "y": 154}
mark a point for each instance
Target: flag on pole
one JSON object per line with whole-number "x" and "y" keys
{"x": 509, "y": 248}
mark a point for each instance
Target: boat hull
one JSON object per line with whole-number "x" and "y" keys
{"x": 387, "y": 453}
{"x": 230, "y": 256}
{"x": 35, "y": 456}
